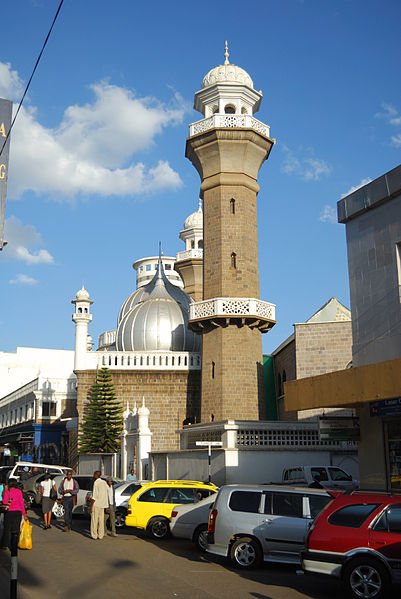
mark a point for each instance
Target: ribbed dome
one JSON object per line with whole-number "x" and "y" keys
{"x": 227, "y": 73}
{"x": 195, "y": 220}
{"x": 155, "y": 317}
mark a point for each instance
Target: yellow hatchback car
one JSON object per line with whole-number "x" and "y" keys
{"x": 150, "y": 507}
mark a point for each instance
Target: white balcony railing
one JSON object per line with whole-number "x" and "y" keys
{"x": 229, "y": 121}
{"x": 156, "y": 360}
{"x": 232, "y": 307}
{"x": 188, "y": 254}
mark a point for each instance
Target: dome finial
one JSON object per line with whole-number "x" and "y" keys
{"x": 226, "y": 54}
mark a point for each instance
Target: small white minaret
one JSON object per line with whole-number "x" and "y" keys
{"x": 82, "y": 317}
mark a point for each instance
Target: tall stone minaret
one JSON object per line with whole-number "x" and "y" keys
{"x": 227, "y": 148}
{"x": 189, "y": 263}
{"x": 82, "y": 317}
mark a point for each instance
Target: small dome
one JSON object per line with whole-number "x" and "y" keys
{"x": 155, "y": 317}
{"x": 227, "y": 73}
{"x": 195, "y": 220}
{"x": 82, "y": 294}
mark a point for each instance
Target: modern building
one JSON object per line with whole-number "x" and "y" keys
{"x": 372, "y": 218}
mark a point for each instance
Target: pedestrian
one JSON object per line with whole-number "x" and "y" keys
{"x": 68, "y": 489}
{"x": 48, "y": 493}
{"x": 110, "y": 512}
{"x": 131, "y": 475}
{"x": 13, "y": 498}
{"x": 100, "y": 501}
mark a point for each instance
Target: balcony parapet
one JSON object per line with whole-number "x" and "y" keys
{"x": 137, "y": 360}
{"x": 240, "y": 311}
{"x": 190, "y": 254}
{"x": 229, "y": 121}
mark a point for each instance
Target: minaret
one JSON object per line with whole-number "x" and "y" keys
{"x": 82, "y": 317}
{"x": 227, "y": 148}
{"x": 189, "y": 262}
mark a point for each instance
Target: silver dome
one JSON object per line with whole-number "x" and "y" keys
{"x": 155, "y": 317}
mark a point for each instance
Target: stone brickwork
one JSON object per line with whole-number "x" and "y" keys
{"x": 322, "y": 347}
{"x": 227, "y": 233}
{"x": 228, "y": 162}
{"x": 284, "y": 370}
{"x": 170, "y": 396}
{"x": 232, "y": 379}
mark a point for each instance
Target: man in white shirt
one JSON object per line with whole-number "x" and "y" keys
{"x": 100, "y": 501}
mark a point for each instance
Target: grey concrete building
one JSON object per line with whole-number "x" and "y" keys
{"x": 372, "y": 217}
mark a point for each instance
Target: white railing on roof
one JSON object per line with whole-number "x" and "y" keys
{"x": 156, "y": 360}
{"x": 229, "y": 121}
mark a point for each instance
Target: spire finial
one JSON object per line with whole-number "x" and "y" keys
{"x": 226, "y": 54}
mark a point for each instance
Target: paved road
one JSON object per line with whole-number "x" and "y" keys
{"x": 72, "y": 565}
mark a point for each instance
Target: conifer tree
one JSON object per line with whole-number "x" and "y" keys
{"x": 102, "y": 418}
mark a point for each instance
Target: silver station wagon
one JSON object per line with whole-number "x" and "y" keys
{"x": 254, "y": 523}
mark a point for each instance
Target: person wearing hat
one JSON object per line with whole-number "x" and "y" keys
{"x": 48, "y": 493}
{"x": 110, "y": 512}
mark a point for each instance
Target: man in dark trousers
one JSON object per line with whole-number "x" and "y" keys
{"x": 68, "y": 490}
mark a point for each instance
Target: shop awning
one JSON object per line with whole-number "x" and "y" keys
{"x": 345, "y": 388}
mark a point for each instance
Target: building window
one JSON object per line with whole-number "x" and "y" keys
{"x": 148, "y": 267}
{"x": 213, "y": 369}
{"x": 200, "y": 244}
{"x": 233, "y": 260}
{"x": 167, "y": 266}
{"x": 192, "y": 244}
{"x": 48, "y": 409}
{"x": 232, "y": 206}
{"x": 229, "y": 109}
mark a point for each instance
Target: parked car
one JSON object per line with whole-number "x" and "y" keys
{"x": 23, "y": 470}
{"x": 123, "y": 491}
{"x": 190, "y": 521}
{"x": 357, "y": 538}
{"x": 85, "y": 484}
{"x": 330, "y": 477}
{"x": 31, "y": 487}
{"x": 252, "y": 523}
{"x": 150, "y": 507}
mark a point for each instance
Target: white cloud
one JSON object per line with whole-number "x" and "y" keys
{"x": 91, "y": 150}
{"x": 306, "y": 168}
{"x": 22, "y": 279}
{"x": 396, "y": 140}
{"x": 20, "y": 238}
{"x": 355, "y": 187}
{"x": 390, "y": 114}
{"x": 328, "y": 215}
{"x": 11, "y": 86}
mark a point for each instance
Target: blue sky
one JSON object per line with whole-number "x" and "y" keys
{"x": 97, "y": 168}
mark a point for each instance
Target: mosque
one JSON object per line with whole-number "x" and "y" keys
{"x": 186, "y": 355}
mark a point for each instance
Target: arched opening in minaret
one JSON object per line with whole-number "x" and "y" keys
{"x": 229, "y": 109}
{"x": 215, "y": 109}
{"x": 244, "y": 110}
{"x": 232, "y": 206}
{"x": 233, "y": 260}
{"x": 213, "y": 368}
{"x": 200, "y": 244}
{"x": 192, "y": 244}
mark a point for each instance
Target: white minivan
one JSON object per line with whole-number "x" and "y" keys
{"x": 24, "y": 470}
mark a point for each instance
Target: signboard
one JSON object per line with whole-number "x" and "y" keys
{"x": 333, "y": 428}
{"x": 386, "y": 407}
{"x": 209, "y": 444}
{"x": 5, "y": 123}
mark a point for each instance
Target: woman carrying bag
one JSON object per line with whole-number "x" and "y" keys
{"x": 13, "y": 498}
{"x": 48, "y": 493}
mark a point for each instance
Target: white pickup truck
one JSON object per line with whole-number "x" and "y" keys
{"x": 329, "y": 477}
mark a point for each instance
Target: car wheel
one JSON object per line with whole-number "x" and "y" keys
{"x": 245, "y": 553}
{"x": 366, "y": 579}
{"x": 120, "y": 519}
{"x": 158, "y": 528}
{"x": 200, "y": 538}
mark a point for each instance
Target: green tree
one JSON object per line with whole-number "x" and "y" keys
{"x": 102, "y": 418}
